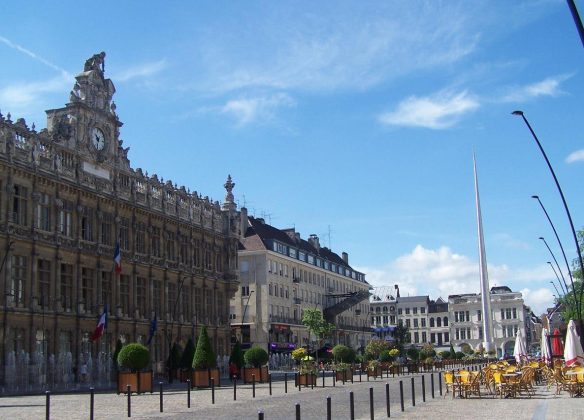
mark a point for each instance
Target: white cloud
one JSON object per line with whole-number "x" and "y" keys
{"x": 140, "y": 71}
{"x": 577, "y": 156}
{"x": 19, "y": 97}
{"x": 247, "y": 110}
{"x": 441, "y": 272}
{"x": 538, "y": 299}
{"x": 546, "y": 87}
{"x": 439, "y": 111}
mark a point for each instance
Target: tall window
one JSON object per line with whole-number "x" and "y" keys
{"x": 141, "y": 301}
{"x": 65, "y": 219}
{"x": 44, "y": 283}
{"x": 67, "y": 287}
{"x": 171, "y": 300}
{"x": 87, "y": 276}
{"x": 170, "y": 244}
{"x": 107, "y": 226}
{"x": 125, "y": 233}
{"x": 125, "y": 294}
{"x": 19, "y": 205}
{"x": 19, "y": 269}
{"x": 106, "y": 289}
{"x": 197, "y": 250}
{"x": 184, "y": 298}
{"x": 184, "y": 250}
{"x": 155, "y": 242}
{"x": 156, "y": 295}
{"x": 140, "y": 238}
{"x": 87, "y": 224}
{"x": 209, "y": 302}
{"x": 43, "y": 216}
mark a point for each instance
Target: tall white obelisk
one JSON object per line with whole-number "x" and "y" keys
{"x": 485, "y": 289}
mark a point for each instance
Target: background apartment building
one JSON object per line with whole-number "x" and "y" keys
{"x": 281, "y": 275}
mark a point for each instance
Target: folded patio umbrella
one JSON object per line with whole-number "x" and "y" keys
{"x": 557, "y": 347}
{"x": 546, "y": 351}
{"x": 520, "y": 349}
{"x": 573, "y": 352}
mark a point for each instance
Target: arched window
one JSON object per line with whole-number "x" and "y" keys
{"x": 439, "y": 322}
{"x": 446, "y": 321}
{"x": 432, "y": 322}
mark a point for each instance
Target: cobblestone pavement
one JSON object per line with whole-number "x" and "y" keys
{"x": 281, "y": 405}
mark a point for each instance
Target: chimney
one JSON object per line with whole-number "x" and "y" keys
{"x": 397, "y": 288}
{"x": 244, "y": 222}
{"x": 313, "y": 240}
{"x": 345, "y": 257}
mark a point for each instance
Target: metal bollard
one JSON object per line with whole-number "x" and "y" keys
{"x": 328, "y": 408}
{"x": 91, "y": 402}
{"x": 297, "y": 411}
{"x": 270, "y": 382}
{"x": 253, "y": 385}
{"x": 234, "y": 387}
{"x": 295, "y": 379}
{"x": 371, "y": 408}
{"x": 423, "y": 388}
{"x": 323, "y": 378}
{"x": 48, "y": 404}
{"x": 352, "y": 405}
{"x": 334, "y": 378}
{"x": 432, "y": 383}
{"x": 260, "y": 415}
{"x": 413, "y": 393}
{"x": 360, "y": 372}
{"x": 401, "y": 395}
{"x": 188, "y": 393}
{"x": 161, "y": 401}
{"x": 212, "y": 390}
{"x": 128, "y": 389}
{"x": 387, "y": 399}
{"x": 285, "y": 383}
{"x": 352, "y": 375}
{"x": 440, "y": 382}
{"x": 312, "y": 380}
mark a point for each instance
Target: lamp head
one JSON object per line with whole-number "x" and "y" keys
{"x": 517, "y": 113}
{"x": 549, "y": 262}
{"x": 541, "y": 237}
{"x": 535, "y": 196}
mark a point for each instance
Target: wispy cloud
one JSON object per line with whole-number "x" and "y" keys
{"x": 439, "y": 111}
{"x": 442, "y": 272}
{"x": 35, "y": 56}
{"x": 253, "y": 109}
{"x": 141, "y": 71}
{"x": 576, "y": 156}
{"x": 547, "y": 87}
{"x": 19, "y": 97}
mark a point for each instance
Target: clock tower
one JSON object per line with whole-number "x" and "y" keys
{"x": 88, "y": 124}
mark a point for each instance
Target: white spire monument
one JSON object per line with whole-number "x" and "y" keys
{"x": 485, "y": 289}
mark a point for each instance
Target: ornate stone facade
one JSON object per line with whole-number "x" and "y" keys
{"x": 67, "y": 195}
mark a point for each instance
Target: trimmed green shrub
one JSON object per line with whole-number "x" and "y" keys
{"x": 466, "y": 348}
{"x": 452, "y": 352}
{"x": 188, "y": 354}
{"x": 394, "y": 353}
{"x": 459, "y": 355}
{"x": 342, "y": 353}
{"x": 236, "y": 356}
{"x": 384, "y": 356}
{"x": 413, "y": 353}
{"x": 204, "y": 355}
{"x": 175, "y": 356}
{"x": 134, "y": 356}
{"x": 445, "y": 354}
{"x": 119, "y": 346}
{"x": 375, "y": 347}
{"x": 256, "y": 357}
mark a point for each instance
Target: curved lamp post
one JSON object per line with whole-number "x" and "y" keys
{"x": 520, "y": 113}
{"x": 557, "y": 238}
{"x": 558, "y": 277}
{"x": 562, "y": 274}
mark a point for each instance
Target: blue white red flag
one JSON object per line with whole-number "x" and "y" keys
{"x": 101, "y": 325}
{"x": 118, "y": 258}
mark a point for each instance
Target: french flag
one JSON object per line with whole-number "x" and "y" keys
{"x": 101, "y": 325}
{"x": 118, "y": 258}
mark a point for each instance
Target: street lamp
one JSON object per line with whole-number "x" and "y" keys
{"x": 577, "y": 20}
{"x": 244, "y": 312}
{"x": 554, "y": 257}
{"x": 557, "y": 237}
{"x": 558, "y": 277}
{"x": 579, "y": 309}
{"x": 557, "y": 291}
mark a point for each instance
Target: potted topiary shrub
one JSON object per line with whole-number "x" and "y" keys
{"x": 204, "y": 363}
{"x": 307, "y": 372}
{"x": 255, "y": 361}
{"x": 133, "y": 359}
{"x": 342, "y": 371}
{"x": 343, "y": 356}
{"x": 374, "y": 368}
{"x": 236, "y": 361}
{"x": 186, "y": 361}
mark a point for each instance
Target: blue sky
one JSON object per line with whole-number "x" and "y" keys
{"x": 354, "y": 118}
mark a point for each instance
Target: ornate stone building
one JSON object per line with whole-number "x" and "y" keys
{"x": 67, "y": 195}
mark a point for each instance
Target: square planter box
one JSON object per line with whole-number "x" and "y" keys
{"x": 344, "y": 375}
{"x": 306, "y": 379}
{"x": 375, "y": 373}
{"x": 201, "y": 378}
{"x": 261, "y": 374}
{"x": 139, "y": 381}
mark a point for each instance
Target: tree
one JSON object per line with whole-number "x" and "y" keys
{"x": 452, "y": 352}
{"x": 343, "y": 353}
{"x": 204, "y": 356}
{"x": 134, "y": 356}
{"x": 256, "y": 357}
{"x": 186, "y": 360}
{"x": 401, "y": 334}
{"x": 316, "y": 325}
{"x": 571, "y": 303}
{"x": 375, "y": 347}
{"x": 236, "y": 356}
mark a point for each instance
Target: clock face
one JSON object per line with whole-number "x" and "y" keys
{"x": 97, "y": 138}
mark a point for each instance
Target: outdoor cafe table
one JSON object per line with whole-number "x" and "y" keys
{"x": 578, "y": 392}
{"x": 511, "y": 375}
